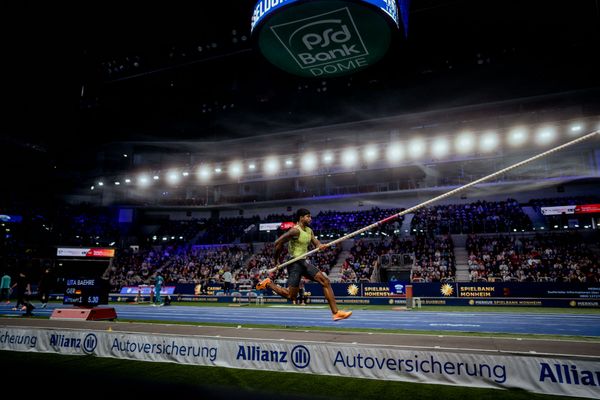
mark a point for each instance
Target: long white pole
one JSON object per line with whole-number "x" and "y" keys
{"x": 443, "y": 196}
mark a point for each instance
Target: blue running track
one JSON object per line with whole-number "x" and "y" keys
{"x": 488, "y": 322}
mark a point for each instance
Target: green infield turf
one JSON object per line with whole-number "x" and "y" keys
{"x": 53, "y": 375}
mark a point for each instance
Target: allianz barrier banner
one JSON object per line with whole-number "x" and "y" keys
{"x": 548, "y": 375}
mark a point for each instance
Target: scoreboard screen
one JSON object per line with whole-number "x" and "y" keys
{"x": 86, "y": 292}
{"x": 80, "y": 272}
{"x": 85, "y": 252}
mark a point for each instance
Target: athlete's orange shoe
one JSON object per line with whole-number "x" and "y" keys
{"x": 341, "y": 315}
{"x": 262, "y": 285}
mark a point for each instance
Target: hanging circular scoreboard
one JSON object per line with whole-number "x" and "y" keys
{"x": 324, "y": 38}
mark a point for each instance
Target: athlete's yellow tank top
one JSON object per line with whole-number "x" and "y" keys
{"x": 298, "y": 246}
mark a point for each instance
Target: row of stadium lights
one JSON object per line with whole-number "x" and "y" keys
{"x": 396, "y": 152}
{"x": 397, "y": 231}
{"x": 331, "y": 236}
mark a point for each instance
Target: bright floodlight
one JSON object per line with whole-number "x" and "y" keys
{"x": 173, "y": 177}
{"x": 440, "y": 147}
{"x": 289, "y": 162}
{"x": 308, "y": 162}
{"x": 576, "y": 129}
{"x": 271, "y": 165}
{"x": 143, "y": 180}
{"x": 395, "y": 152}
{"x": 488, "y": 142}
{"x": 545, "y": 135}
{"x": 235, "y": 169}
{"x": 204, "y": 173}
{"x": 465, "y": 143}
{"x": 100, "y": 183}
{"x": 328, "y": 157}
{"x": 517, "y": 137}
{"x": 371, "y": 153}
{"x": 416, "y": 148}
{"x": 349, "y": 157}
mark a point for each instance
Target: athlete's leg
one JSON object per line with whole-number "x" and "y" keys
{"x": 283, "y": 292}
{"x": 327, "y": 290}
{"x": 294, "y": 274}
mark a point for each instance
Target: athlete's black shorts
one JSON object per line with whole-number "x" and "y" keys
{"x": 298, "y": 269}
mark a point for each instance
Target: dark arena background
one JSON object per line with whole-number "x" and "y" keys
{"x": 448, "y": 153}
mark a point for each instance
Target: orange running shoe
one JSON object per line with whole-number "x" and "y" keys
{"x": 262, "y": 285}
{"x": 341, "y": 315}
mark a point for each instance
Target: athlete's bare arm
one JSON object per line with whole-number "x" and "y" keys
{"x": 283, "y": 239}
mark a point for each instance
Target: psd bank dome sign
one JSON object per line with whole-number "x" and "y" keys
{"x": 325, "y": 38}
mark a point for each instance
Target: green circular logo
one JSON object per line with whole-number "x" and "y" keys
{"x": 324, "y": 38}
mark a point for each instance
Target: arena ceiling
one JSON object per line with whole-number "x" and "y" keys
{"x": 85, "y": 76}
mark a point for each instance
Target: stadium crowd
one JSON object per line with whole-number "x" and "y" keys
{"x": 203, "y": 249}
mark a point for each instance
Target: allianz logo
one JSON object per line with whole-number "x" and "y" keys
{"x": 64, "y": 341}
{"x": 323, "y": 39}
{"x": 88, "y": 344}
{"x": 299, "y": 356}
